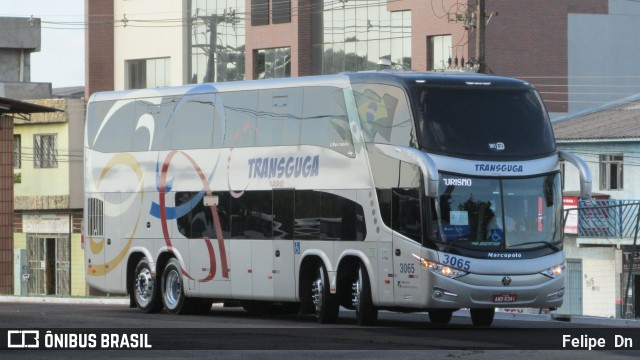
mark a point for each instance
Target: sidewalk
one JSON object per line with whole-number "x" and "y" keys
{"x": 121, "y": 300}
{"x": 64, "y": 300}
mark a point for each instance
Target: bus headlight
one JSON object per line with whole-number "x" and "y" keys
{"x": 438, "y": 268}
{"x": 555, "y": 271}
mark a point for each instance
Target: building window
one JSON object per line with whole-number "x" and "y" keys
{"x": 259, "y": 12}
{"x": 611, "y": 175}
{"x": 280, "y": 12}
{"x": 217, "y": 40}
{"x": 355, "y": 35}
{"x": 45, "y": 151}
{"x": 273, "y": 63}
{"x": 438, "y": 52}
{"x": 148, "y": 73}
{"x": 17, "y": 152}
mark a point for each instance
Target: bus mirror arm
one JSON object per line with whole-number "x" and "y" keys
{"x": 426, "y": 165}
{"x": 583, "y": 169}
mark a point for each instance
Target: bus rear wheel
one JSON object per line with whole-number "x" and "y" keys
{"x": 366, "y": 312}
{"x": 173, "y": 297}
{"x": 145, "y": 288}
{"x": 482, "y": 317}
{"x": 325, "y": 304}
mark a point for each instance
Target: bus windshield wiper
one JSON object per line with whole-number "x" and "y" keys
{"x": 545, "y": 243}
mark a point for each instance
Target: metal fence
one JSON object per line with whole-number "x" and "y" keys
{"x": 607, "y": 218}
{"x": 617, "y": 222}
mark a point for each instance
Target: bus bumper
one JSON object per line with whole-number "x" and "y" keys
{"x": 491, "y": 291}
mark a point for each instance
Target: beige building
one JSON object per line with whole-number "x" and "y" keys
{"x": 48, "y": 160}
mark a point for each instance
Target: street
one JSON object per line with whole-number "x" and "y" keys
{"x": 228, "y": 332}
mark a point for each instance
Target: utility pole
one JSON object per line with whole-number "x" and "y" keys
{"x": 480, "y": 28}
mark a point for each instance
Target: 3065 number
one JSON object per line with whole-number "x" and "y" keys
{"x": 407, "y": 268}
{"x": 457, "y": 262}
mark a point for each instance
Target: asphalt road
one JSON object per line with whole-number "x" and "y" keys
{"x": 233, "y": 333}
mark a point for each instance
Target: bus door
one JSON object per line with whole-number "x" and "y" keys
{"x": 283, "y": 248}
{"x": 407, "y": 225}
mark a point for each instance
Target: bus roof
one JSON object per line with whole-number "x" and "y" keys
{"x": 339, "y": 80}
{"x": 394, "y": 77}
{"x": 437, "y": 78}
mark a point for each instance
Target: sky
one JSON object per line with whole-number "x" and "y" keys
{"x": 60, "y": 60}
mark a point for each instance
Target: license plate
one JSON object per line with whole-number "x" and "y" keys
{"x": 504, "y": 298}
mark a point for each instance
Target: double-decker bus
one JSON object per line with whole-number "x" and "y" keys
{"x": 402, "y": 191}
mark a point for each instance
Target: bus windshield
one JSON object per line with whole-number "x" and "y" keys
{"x": 498, "y": 214}
{"x": 482, "y": 121}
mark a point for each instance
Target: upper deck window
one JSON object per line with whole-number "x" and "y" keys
{"x": 482, "y": 121}
{"x": 385, "y": 114}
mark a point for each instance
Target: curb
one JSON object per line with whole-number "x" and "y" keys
{"x": 61, "y": 300}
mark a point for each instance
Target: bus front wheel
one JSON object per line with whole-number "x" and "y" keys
{"x": 440, "y": 316}
{"x": 366, "y": 312}
{"x": 325, "y": 304}
{"x": 482, "y": 317}
{"x": 145, "y": 288}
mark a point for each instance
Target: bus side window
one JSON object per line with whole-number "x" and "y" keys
{"x": 324, "y": 120}
{"x": 279, "y": 112}
{"x": 152, "y": 123}
{"x": 198, "y": 222}
{"x": 238, "y": 117}
{"x": 115, "y": 129}
{"x": 307, "y": 215}
{"x": 193, "y": 122}
{"x": 252, "y": 215}
{"x": 283, "y": 214}
{"x": 385, "y": 114}
{"x": 341, "y": 218}
{"x": 406, "y": 213}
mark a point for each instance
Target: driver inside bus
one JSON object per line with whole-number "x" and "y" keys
{"x": 495, "y": 226}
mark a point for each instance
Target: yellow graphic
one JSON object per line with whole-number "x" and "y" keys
{"x": 97, "y": 246}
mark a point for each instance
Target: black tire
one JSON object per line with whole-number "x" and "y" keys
{"x": 482, "y": 317}
{"x": 326, "y": 305}
{"x": 145, "y": 289}
{"x": 200, "y": 306}
{"x": 254, "y": 307}
{"x": 173, "y": 297}
{"x": 366, "y": 312}
{"x": 440, "y": 316}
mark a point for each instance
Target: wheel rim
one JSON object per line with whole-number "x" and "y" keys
{"x": 173, "y": 290}
{"x": 356, "y": 293}
{"x": 145, "y": 287}
{"x": 317, "y": 291}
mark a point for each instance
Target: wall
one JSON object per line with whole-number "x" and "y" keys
{"x": 295, "y": 35}
{"x": 14, "y": 65}
{"x": 19, "y": 33}
{"x": 99, "y": 46}
{"x": 590, "y": 153}
{"x": 163, "y": 38}
{"x": 599, "y": 287}
{"x": 603, "y": 58}
{"x": 43, "y": 188}
{"x": 25, "y": 91}
{"x": 78, "y": 282}
{"x": 600, "y": 277}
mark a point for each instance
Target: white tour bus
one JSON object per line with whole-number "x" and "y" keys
{"x": 386, "y": 190}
